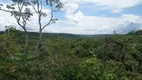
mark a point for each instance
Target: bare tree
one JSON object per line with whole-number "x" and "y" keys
{"x": 19, "y": 9}
{"x": 53, "y": 5}
{"x": 121, "y": 53}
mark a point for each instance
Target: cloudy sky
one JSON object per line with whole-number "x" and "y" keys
{"x": 87, "y": 17}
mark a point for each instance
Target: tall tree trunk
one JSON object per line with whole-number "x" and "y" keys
{"x": 40, "y": 39}
{"x": 40, "y": 32}
{"x": 26, "y": 42}
{"x": 39, "y": 44}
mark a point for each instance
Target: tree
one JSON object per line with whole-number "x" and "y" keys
{"x": 54, "y": 5}
{"x": 19, "y": 9}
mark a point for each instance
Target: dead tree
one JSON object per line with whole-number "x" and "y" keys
{"x": 121, "y": 53}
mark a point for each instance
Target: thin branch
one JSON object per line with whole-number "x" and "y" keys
{"x": 40, "y": 5}
{"x": 34, "y": 9}
{"x": 39, "y": 14}
{"x": 20, "y": 7}
{"x": 121, "y": 54}
{"x": 18, "y": 21}
{"x": 5, "y": 10}
{"x": 5, "y": 47}
{"x": 24, "y": 21}
{"x": 8, "y": 51}
{"x": 39, "y": 21}
{"x": 49, "y": 20}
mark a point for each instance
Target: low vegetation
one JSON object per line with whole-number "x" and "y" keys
{"x": 116, "y": 57}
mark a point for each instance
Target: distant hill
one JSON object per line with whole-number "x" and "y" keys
{"x": 1, "y": 32}
{"x": 96, "y": 36}
{"x": 138, "y": 32}
{"x": 34, "y": 35}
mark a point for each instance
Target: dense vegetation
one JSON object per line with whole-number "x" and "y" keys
{"x": 117, "y": 57}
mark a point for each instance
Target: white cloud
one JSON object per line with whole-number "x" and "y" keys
{"x": 70, "y": 9}
{"x": 117, "y": 10}
{"x": 5, "y": 20}
{"x": 115, "y": 6}
{"x": 130, "y": 17}
{"x": 99, "y": 25}
{"x": 79, "y": 23}
{"x": 75, "y": 17}
{"x": 116, "y": 3}
{"x": 127, "y": 27}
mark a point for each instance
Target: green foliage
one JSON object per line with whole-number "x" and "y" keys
{"x": 63, "y": 58}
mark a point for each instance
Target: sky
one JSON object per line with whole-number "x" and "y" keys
{"x": 86, "y": 17}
